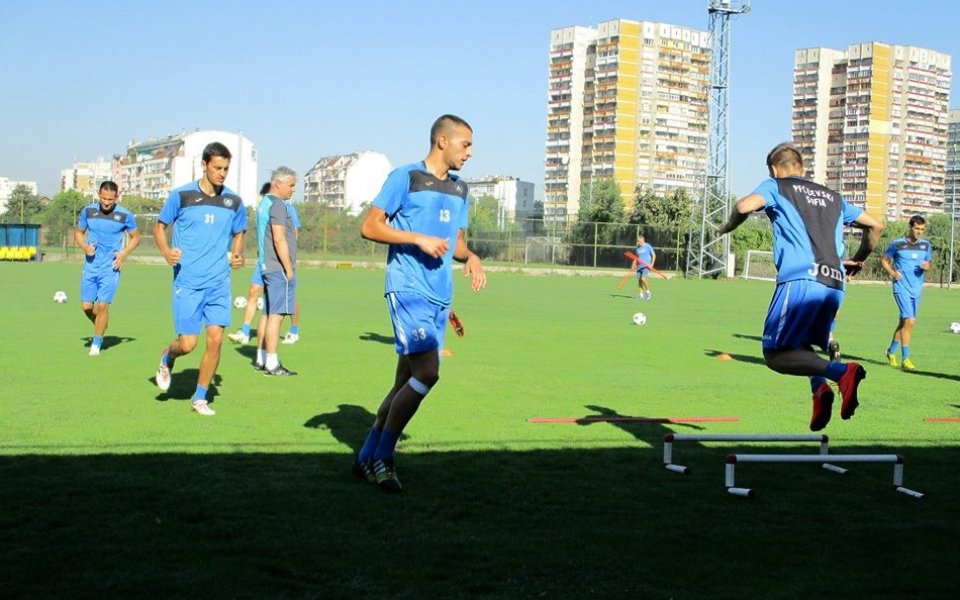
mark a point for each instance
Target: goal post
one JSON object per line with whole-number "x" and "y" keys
{"x": 759, "y": 265}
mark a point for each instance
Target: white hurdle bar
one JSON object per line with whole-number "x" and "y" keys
{"x": 733, "y": 459}
{"x": 670, "y": 438}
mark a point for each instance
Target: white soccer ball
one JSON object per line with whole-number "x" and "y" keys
{"x": 60, "y": 297}
{"x": 240, "y": 302}
{"x": 955, "y": 327}
{"x": 260, "y": 303}
{"x": 639, "y": 319}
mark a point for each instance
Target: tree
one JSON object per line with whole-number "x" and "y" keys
{"x": 60, "y": 215}
{"x": 666, "y": 212}
{"x": 23, "y": 206}
{"x": 600, "y": 222}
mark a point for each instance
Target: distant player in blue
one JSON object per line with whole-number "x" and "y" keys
{"x": 648, "y": 257}
{"x": 421, "y": 212}
{"x": 808, "y": 221}
{"x": 907, "y": 260}
{"x": 100, "y": 232}
{"x": 207, "y": 219}
{"x": 242, "y": 335}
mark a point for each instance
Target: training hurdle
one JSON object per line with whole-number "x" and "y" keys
{"x": 670, "y": 438}
{"x": 733, "y": 459}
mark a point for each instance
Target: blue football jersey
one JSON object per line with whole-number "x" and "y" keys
{"x": 808, "y": 220}
{"x": 105, "y": 231}
{"x": 645, "y": 253}
{"x": 203, "y": 228}
{"x": 415, "y": 200}
{"x": 906, "y": 259}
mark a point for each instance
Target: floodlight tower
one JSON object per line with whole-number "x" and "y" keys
{"x": 706, "y": 250}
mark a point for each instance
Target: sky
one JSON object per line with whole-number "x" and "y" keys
{"x": 304, "y": 79}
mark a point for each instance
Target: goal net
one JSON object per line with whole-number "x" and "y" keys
{"x": 545, "y": 249}
{"x": 759, "y": 265}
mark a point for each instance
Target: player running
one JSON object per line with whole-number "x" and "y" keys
{"x": 206, "y": 218}
{"x": 100, "y": 232}
{"x": 808, "y": 221}
{"x": 421, "y": 212}
{"x": 907, "y": 260}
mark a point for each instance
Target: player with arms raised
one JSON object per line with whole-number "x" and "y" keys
{"x": 808, "y": 221}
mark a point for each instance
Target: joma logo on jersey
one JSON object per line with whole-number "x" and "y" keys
{"x": 825, "y": 271}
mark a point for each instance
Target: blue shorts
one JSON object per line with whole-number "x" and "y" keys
{"x": 279, "y": 294}
{"x": 801, "y": 314}
{"x": 641, "y": 273}
{"x": 907, "y": 304}
{"x": 418, "y": 324}
{"x": 192, "y": 309}
{"x": 257, "y": 277}
{"x": 99, "y": 287}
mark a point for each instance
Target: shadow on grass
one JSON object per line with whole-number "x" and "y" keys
{"x": 348, "y": 425}
{"x": 109, "y": 341}
{"x": 565, "y": 523}
{"x": 744, "y": 336}
{"x": 184, "y": 383}
{"x": 756, "y": 360}
{"x": 370, "y": 336}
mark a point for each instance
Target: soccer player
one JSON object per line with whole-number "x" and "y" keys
{"x": 907, "y": 260}
{"x": 277, "y": 246}
{"x": 100, "y": 232}
{"x": 242, "y": 336}
{"x": 206, "y": 218}
{"x": 293, "y": 334}
{"x": 808, "y": 221}
{"x": 647, "y": 256}
{"x": 421, "y": 212}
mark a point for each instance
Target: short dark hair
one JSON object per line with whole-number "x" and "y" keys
{"x": 215, "y": 149}
{"x": 784, "y": 154}
{"x": 265, "y": 189}
{"x": 917, "y": 220}
{"x": 442, "y": 123}
{"x": 109, "y": 186}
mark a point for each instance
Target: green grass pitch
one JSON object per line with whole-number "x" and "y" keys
{"x": 109, "y": 488}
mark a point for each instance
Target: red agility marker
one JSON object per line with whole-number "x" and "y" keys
{"x": 942, "y": 420}
{"x": 633, "y": 419}
{"x": 636, "y": 258}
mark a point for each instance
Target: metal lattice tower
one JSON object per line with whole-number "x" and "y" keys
{"x": 706, "y": 250}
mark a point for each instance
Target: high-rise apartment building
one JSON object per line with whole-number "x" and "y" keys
{"x": 871, "y": 123}
{"x": 628, "y": 101}
{"x": 952, "y": 181}
{"x": 152, "y": 168}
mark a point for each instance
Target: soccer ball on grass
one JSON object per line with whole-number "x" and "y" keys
{"x": 60, "y": 297}
{"x": 639, "y": 319}
{"x": 240, "y": 302}
{"x": 955, "y": 327}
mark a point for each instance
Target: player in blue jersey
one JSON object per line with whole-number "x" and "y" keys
{"x": 207, "y": 218}
{"x": 808, "y": 221}
{"x": 907, "y": 260}
{"x": 647, "y": 256}
{"x": 242, "y": 335}
{"x": 293, "y": 334}
{"x": 100, "y": 232}
{"x": 421, "y": 212}
{"x": 277, "y": 251}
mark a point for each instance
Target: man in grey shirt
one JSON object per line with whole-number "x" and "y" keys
{"x": 277, "y": 241}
